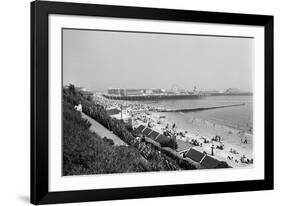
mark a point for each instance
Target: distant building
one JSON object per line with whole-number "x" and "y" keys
{"x": 148, "y": 91}
{"x": 116, "y": 113}
{"x": 86, "y": 94}
{"x": 122, "y": 92}
{"x": 130, "y": 92}
{"x": 210, "y": 92}
{"x": 182, "y": 91}
{"x": 157, "y": 91}
{"x": 113, "y": 91}
{"x": 170, "y": 91}
{"x": 123, "y": 117}
{"x": 80, "y": 89}
{"x": 195, "y": 89}
{"x": 232, "y": 90}
{"x": 125, "y": 92}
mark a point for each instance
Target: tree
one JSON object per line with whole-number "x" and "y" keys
{"x": 72, "y": 89}
{"x": 89, "y": 98}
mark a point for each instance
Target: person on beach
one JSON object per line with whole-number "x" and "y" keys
{"x": 221, "y": 146}
{"x": 245, "y": 140}
{"x": 212, "y": 150}
{"x": 243, "y": 159}
{"x": 230, "y": 158}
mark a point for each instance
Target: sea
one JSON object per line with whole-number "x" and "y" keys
{"x": 237, "y": 117}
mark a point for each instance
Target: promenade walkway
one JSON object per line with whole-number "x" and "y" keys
{"x": 102, "y": 131}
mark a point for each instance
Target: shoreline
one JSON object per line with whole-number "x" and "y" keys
{"x": 201, "y": 129}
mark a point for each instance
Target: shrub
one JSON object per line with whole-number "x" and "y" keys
{"x": 86, "y": 153}
{"x": 167, "y": 142}
{"x": 108, "y": 141}
{"x": 223, "y": 164}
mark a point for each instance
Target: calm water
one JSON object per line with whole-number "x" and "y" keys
{"x": 240, "y": 117}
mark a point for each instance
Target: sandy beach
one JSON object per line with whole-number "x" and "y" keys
{"x": 199, "y": 129}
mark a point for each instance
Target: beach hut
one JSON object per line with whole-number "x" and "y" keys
{"x": 209, "y": 162}
{"x": 160, "y": 137}
{"x": 183, "y": 146}
{"x": 147, "y": 131}
{"x": 153, "y": 134}
{"x": 139, "y": 129}
{"x": 195, "y": 155}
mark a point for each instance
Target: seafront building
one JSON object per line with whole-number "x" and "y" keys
{"x": 118, "y": 114}
{"x": 154, "y": 93}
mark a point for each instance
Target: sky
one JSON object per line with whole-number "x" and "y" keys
{"x": 98, "y": 60}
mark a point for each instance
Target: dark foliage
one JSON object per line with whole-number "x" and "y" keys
{"x": 167, "y": 142}
{"x": 223, "y": 164}
{"x": 109, "y": 141}
{"x": 86, "y": 153}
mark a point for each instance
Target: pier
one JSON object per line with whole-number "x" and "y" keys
{"x": 152, "y": 96}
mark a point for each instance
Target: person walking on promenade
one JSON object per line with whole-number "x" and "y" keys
{"x": 78, "y": 107}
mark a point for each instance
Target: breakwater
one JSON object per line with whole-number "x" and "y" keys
{"x": 199, "y": 108}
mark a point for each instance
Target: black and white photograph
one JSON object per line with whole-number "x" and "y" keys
{"x": 151, "y": 102}
{"x": 141, "y": 102}
{"x": 137, "y": 103}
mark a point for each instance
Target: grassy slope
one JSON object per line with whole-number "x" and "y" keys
{"x": 86, "y": 153}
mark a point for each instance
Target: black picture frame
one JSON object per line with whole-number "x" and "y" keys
{"x": 40, "y": 100}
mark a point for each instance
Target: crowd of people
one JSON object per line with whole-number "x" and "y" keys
{"x": 130, "y": 106}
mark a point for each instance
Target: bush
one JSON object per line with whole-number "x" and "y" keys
{"x": 86, "y": 153}
{"x": 108, "y": 141}
{"x": 167, "y": 142}
{"x": 223, "y": 164}
{"x": 89, "y": 98}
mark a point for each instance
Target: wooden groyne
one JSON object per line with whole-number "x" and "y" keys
{"x": 199, "y": 108}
